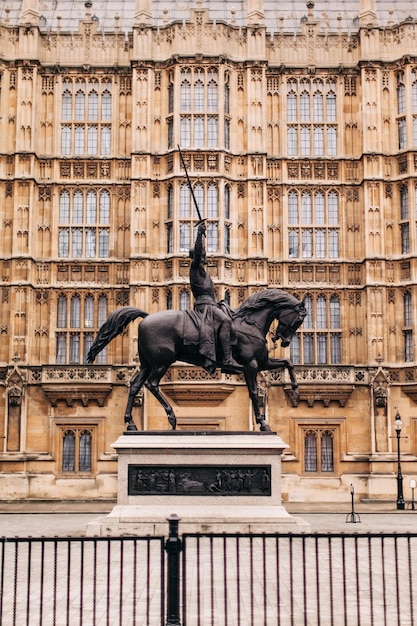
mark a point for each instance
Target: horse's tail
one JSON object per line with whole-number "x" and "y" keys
{"x": 112, "y": 327}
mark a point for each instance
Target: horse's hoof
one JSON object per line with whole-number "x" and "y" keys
{"x": 173, "y": 421}
{"x": 131, "y": 426}
{"x": 263, "y": 425}
{"x": 296, "y": 397}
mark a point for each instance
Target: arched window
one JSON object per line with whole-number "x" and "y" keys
{"x": 169, "y": 299}
{"x": 77, "y": 450}
{"x": 319, "y": 451}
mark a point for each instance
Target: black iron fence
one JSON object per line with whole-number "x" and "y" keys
{"x": 210, "y": 580}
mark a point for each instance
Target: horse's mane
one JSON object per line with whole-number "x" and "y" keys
{"x": 262, "y": 298}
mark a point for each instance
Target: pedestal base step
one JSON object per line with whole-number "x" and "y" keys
{"x": 131, "y": 520}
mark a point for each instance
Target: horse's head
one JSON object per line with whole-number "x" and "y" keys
{"x": 289, "y": 320}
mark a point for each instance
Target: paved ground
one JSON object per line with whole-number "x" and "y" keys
{"x": 63, "y": 519}
{"x": 318, "y": 582}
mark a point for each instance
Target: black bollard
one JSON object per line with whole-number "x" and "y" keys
{"x": 173, "y": 547}
{"x": 352, "y": 516}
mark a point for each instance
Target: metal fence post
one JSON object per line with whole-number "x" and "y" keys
{"x": 173, "y": 547}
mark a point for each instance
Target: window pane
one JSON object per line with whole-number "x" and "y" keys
{"x": 77, "y": 243}
{"x": 402, "y": 134}
{"x": 306, "y": 214}
{"x": 198, "y": 96}
{"x": 91, "y": 207}
{"x": 104, "y": 208}
{"x": 62, "y": 312}
{"x": 227, "y": 202}
{"x": 404, "y": 202}
{"x": 401, "y": 97}
{"x": 61, "y": 349}
{"x": 318, "y": 107}
{"x": 319, "y": 216}
{"x": 227, "y": 239}
{"x": 292, "y": 141}
{"x": 79, "y": 105}
{"x": 405, "y": 238}
{"x": 85, "y": 452}
{"x": 307, "y": 243}
{"x": 335, "y": 348}
{"x": 92, "y": 140}
{"x": 79, "y": 140}
{"x": 310, "y": 452}
{"x": 331, "y": 141}
{"x": 321, "y": 316}
{"x": 74, "y": 348}
{"x": 293, "y": 243}
{"x": 333, "y": 208}
{"x": 103, "y": 243}
{"x": 308, "y": 346}
{"x": 106, "y": 106}
{"x": 319, "y": 141}
{"x": 212, "y": 238}
{"x": 320, "y": 243}
{"x": 212, "y": 132}
{"x": 407, "y": 309}
{"x": 184, "y": 300}
{"x": 199, "y": 196}
{"x": 89, "y": 312}
{"x": 185, "y": 131}
{"x": 212, "y": 207}
{"x": 327, "y": 452}
{"x": 66, "y": 140}
{"x": 227, "y": 134}
{"x": 408, "y": 346}
{"x": 198, "y": 131}
{"x": 77, "y": 208}
{"x": 102, "y": 310}
{"x": 90, "y": 243}
{"x": 212, "y": 95}
{"x": 75, "y": 312}
{"x": 88, "y": 342}
{"x": 184, "y": 237}
{"x": 63, "y": 243}
{"x": 185, "y": 96}
{"x": 293, "y": 208}
{"x": 305, "y": 141}
{"x": 295, "y": 353}
{"x": 184, "y": 201}
{"x": 305, "y": 107}
{"x": 321, "y": 349}
{"x": 68, "y": 452}
{"x": 331, "y": 107}
{"x": 64, "y": 208}
{"x": 291, "y": 107}
{"x": 334, "y": 312}
{"x": 66, "y": 106}
{"x": 93, "y": 106}
{"x": 105, "y": 140}
{"x": 308, "y": 320}
{"x": 333, "y": 244}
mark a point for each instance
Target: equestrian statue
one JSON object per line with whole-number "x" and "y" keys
{"x": 211, "y": 336}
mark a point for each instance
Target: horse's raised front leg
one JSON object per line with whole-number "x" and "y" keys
{"x": 135, "y": 386}
{"x": 274, "y": 364}
{"x": 251, "y": 371}
{"x": 152, "y": 384}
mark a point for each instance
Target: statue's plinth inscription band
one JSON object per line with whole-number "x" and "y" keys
{"x": 193, "y": 480}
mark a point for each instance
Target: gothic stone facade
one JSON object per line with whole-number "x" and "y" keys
{"x": 300, "y": 136}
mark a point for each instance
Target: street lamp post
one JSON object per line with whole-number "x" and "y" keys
{"x": 400, "y": 497}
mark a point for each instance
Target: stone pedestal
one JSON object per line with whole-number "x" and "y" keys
{"x": 214, "y": 481}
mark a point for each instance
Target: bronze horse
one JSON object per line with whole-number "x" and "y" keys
{"x": 162, "y": 342}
